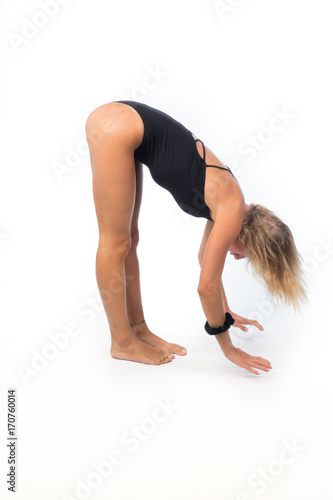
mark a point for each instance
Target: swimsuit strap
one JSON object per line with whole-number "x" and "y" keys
{"x": 222, "y": 168}
{"x": 215, "y": 166}
{"x": 203, "y": 147}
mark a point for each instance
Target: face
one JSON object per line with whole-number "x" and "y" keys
{"x": 236, "y": 249}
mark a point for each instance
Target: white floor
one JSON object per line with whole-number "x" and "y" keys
{"x": 199, "y": 427}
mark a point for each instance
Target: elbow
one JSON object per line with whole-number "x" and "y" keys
{"x": 207, "y": 290}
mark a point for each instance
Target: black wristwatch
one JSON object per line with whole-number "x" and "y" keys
{"x": 229, "y": 320}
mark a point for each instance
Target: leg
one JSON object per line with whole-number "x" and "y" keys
{"x": 113, "y": 170}
{"x": 133, "y": 291}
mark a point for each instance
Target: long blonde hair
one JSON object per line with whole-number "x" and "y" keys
{"x": 270, "y": 248}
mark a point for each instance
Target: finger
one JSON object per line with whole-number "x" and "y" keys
{"x": 256, "y": 361}
{"x": 258, "y": 325}
{"x": 239, "y": 325}
{"x": 253, "y": 323}
{"x": 251, "y": 370}
{"x": 262, "y": 361}
{"x": 260, "y": 366}
{"x": 241, "y": 322}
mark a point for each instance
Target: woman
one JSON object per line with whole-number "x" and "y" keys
{"x": 123, "y": 135}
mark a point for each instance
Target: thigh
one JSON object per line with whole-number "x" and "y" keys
{"x": 114, "y": 181}
{"x": 138, "y": 199}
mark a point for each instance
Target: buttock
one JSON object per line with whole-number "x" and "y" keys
{"x": 127, "y": 119}
{"x": 114, "y": 122}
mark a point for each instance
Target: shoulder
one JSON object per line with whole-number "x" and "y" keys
{"x": 226, "y": 200}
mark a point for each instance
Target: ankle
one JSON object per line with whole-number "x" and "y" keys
{"x": 138, "y": 323}
{"x": 122, "y": 339}
{"x": 140, "y": 326}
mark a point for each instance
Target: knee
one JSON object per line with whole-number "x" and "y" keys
{"x": 126, "y": 246}
{"x": 134, "y": 239}
{"x": 117, "y": 246}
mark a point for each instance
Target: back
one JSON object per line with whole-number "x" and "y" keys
{"x": 169, "y": 151}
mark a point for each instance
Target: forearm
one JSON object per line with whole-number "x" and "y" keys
{"x": 224, "y": 297}
{"x": 224, "y": 337}
{"x": 213, "y": 306}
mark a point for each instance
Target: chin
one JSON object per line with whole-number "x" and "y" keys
{"x": 237, "y": 256}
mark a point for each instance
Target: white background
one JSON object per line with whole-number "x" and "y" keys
{"x": 224, "y": 70}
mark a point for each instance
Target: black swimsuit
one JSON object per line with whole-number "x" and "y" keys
{"x": 170, "y": 152}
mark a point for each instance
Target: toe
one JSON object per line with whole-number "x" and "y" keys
{"x": 178, "y": 349}
{"x": 167, "y": 357}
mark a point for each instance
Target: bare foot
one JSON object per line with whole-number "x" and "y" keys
{"x": 143, "y": 333}
{"x": 135, "y": 350}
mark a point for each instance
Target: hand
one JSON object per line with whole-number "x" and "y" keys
{"x": 244, "y": 360}
{"x": 240, "y": 322}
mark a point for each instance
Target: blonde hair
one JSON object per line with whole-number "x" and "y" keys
{"x": 270, "y": 248}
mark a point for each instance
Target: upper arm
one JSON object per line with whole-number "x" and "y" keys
{"x": 207, "y": 231}
{"x": 225, "y": 230}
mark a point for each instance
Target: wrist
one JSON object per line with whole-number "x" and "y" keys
{"x": 229, "y": 320}
{"x": 225, "y": 343}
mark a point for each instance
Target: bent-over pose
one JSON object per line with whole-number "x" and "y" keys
{"x": 124, "y": 135}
